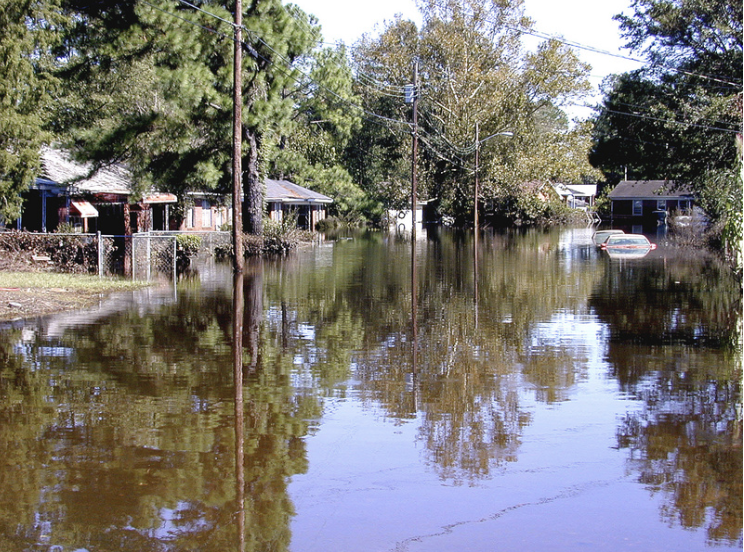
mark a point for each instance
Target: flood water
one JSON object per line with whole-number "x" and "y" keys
{"x": 362, "y": 395}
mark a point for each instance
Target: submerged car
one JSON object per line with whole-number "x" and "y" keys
{"x": 627, "y": 246}
{"x": 600, "y": 236}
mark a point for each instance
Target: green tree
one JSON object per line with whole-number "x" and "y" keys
{"x": 473, "y": 71}
{"x": 678, "y": 118}
{"x": 27, "y": 31}
{"x": 150, "y": 84}
{"x": 310, "y": 146}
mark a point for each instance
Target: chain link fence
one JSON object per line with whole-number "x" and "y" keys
{"x": 153, "y": 256}
{"x": 142, "y": 256}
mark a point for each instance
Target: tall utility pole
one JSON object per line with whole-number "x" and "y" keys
{"x": 237, "y": 162}
{"x": 414, "y": 153}
{"x": 475, "y": 191}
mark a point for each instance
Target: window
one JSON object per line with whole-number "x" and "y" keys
{"x": 190, "y": 218}
{"x": 206, "y": 215}
{"x": 637, "y": 207}
{"x": 661, "y": 205}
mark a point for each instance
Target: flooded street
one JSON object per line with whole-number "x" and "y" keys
{"x": 536, "y": 396}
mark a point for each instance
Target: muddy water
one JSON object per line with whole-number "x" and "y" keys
{"x": 363, "y": 395}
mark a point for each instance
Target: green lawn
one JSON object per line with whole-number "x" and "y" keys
{"x": 48, "y": 280}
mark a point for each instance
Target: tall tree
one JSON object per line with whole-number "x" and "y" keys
{"x": 308, "y": 148}
{"x": 150, "y": 85}
{"x": 27, "y": 31}
{"x": 475, "y": 71}
{"x": 679, "y": 117}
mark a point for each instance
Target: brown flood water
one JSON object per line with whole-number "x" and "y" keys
{"x": 362, "y": 395}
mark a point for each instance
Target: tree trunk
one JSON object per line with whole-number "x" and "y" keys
{"x": 253, "y": 188}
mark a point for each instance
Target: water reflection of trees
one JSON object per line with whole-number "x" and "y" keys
{"x": 466, "y": 392}
{"x": 133, "y": 416}
{"x": 682, "y": 298}
{"x": 119, "y": 435}
{"x": 686, "y": 442}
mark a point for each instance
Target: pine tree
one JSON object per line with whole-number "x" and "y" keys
{"x": 150, "y": 84}
{"x": 27, "y": 31}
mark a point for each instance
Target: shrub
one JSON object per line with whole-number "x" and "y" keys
{"x": 187, "y": 245}
{"x": 66, "y": 253}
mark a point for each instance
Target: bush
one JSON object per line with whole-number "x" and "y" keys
{"x": 77, "y": 254}
{"x": 187, "y": 246}
{"x": 278, "y": 237}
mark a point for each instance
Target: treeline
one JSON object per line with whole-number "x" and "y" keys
{"x": 149, "y": 83}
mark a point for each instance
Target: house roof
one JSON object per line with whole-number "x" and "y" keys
{"x": 582, "y": 190}
{"x": 59, "y": 168}
{"x": 576, "y": 190}
{"x": 648, "y": 189}
{"x": 284, "y": 191}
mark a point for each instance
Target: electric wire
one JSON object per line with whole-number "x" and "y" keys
{"x": 428, "y": 139}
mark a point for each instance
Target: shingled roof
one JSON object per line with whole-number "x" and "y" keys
{"x": 285, "y": 191}
{"x": 649, "y": 189}
{"x": 58, "y": 167}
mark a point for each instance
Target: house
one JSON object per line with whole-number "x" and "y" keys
{"x": 577, "y": 196}
{"x": 207, "y": 213}
{"x": 284, "y": 197}
{"x": 647, "y": 201}
{"x": 66, "y": 192}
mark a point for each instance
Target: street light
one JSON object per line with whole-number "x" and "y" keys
{"x": 478, "y": 142}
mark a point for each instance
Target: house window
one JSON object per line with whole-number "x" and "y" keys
{"x": 684, "y": 204}
{"x": 190, "y": 218}
{"x": 206, "y": 215}
{"x": 661, "y": 205}
{"x": 637, "y": 207}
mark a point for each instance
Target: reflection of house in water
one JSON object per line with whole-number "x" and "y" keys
{"x": 67, "y": 192}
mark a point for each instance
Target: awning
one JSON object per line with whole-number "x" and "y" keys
{"x": 84, "y": 209}
{"x": 159, "y": 197}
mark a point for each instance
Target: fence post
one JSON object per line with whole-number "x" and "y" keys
{"x": 148, "y": 258}
{"x": 175, "y": 274}
{"x": 134, "y": 257}
{"x": 100, "y": 254}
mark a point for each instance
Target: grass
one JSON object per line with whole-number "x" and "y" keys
{"x": 49, "y": 280}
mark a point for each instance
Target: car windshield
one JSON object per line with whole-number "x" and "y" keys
{"x": 627, "y": 240}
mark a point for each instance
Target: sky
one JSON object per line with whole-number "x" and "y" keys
{"x": 586, "y": 22}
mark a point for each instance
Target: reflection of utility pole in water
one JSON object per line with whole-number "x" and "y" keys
{"x": 414, "y": 323}
{"x": 253, "y": 271}
{"x": 238, "y": 306}
{"x": 475, "y": 273}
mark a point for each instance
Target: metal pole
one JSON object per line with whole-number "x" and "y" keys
{"x": 237, "y": 165}
{"x": 100, "y": 254}
{"x": 148, "y": 258}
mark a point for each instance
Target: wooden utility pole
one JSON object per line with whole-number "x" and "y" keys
{"x": 237, "y": 164}
{"x": 475, "y": 192}
{"x": 414, "y": 153}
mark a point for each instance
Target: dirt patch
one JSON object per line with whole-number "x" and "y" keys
{"x": 31, "y": 303}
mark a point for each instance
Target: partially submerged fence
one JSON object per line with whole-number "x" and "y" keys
{"x": 142, "y": 256}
